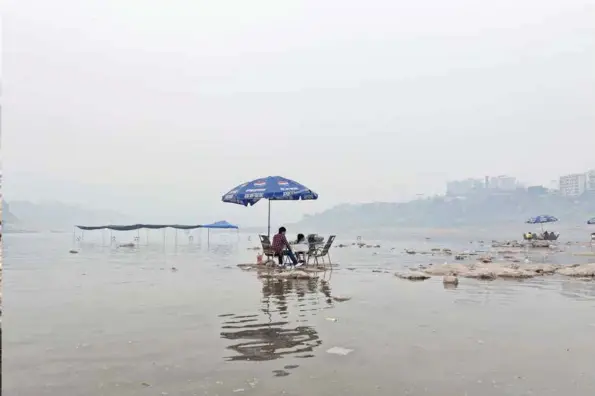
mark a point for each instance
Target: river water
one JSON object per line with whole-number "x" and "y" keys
{"x": 184, "y": 320}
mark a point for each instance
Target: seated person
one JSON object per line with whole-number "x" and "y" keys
{"x": 300, "y": 239}
{"x": 302, "y": 247}
{"x": 546, "y": 235}
{"x": 282, "y": 248}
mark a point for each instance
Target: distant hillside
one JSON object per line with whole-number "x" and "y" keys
{"x": 479, "y": 210}
{"x": 7, "y": 216}
{"x": 57, "y": 216}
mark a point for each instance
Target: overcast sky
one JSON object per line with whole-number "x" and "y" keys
{"x": 163, "y": 106}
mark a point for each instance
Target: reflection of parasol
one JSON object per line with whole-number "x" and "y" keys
{"x": 273, "y": 338}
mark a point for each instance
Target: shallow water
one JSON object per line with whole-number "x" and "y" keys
{"x": 113, "y": 321}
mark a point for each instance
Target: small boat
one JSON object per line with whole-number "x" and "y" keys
{"x": 545, "y": 236}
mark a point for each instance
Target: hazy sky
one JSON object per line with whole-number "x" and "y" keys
{"x": 163, "y": 106}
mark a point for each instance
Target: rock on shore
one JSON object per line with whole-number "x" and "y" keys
{"x": 580, "y": 271}
{"x": 412, "y": 275}
{"x": 492, "y": 270}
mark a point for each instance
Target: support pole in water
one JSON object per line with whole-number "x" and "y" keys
{"x": 269, "y": 226}
{"x": 102, "y": 238}
{"x": 176, "y": 237}
{"x": 73, "y": 236}
{"x": 164, "y": 236}
{"x": 208, "y": 236}
{"x": 111, "y": 238}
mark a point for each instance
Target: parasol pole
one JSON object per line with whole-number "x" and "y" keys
{"x": 269, "y": 226}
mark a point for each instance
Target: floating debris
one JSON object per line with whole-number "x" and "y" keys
{"x": 413, "y": 276}
{"x": 341, "y": 299}
{"x": 280, "y": 373}
{"x": 339, "y": 351}
{"x": 128, "y": 245}
{"x": 73, "y": 251}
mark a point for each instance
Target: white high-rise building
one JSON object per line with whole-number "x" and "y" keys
{"x": 503, "y": 182}
{"x": 464, "y": 187}
{"x": 591, "y": 180}
{"x": 573, "y": 185}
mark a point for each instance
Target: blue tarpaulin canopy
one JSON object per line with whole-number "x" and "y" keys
{"x": 221, "y": 225}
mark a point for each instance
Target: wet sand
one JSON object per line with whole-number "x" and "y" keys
{"x": 122, "y": 322}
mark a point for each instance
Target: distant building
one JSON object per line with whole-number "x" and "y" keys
{"x": 590, "y": 180}
{"x": 459, "y": 188}
{"x": 503, "y": 182}
{"x": 537, "y": 190}
{"x": 573, "y": 185}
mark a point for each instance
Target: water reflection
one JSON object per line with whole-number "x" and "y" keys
{"x": 280, "y": 328}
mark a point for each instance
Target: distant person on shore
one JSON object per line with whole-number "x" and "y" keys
{"x": 281, "y": 247}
